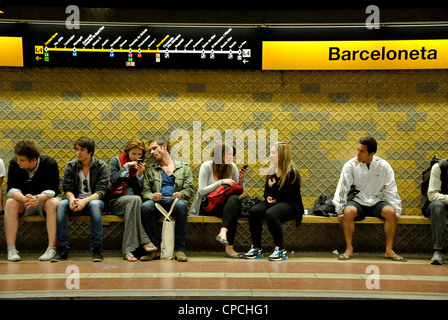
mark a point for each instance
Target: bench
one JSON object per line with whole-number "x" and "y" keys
{"x": 108, "y": 218}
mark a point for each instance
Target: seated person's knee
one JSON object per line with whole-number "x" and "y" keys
{"x": 389, "y": 213}
{"x": 350, "y": 213}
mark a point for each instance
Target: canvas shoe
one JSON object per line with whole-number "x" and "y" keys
{"x": 48, "y": 254}
{"x": 278, "y": 255}
{"x": 437, "y": 258}
{"x": 13, "y": 255}
{"x": 254, "y": 253}
{"x": 97, "y": 255}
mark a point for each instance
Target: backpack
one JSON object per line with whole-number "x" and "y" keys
{"x": 219, "y": 195}
{"x": 324, "y": 206}
{"x": 246, "y": 203}
{"x": 426, "y": 174}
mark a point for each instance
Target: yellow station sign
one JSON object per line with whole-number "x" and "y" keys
{"x": 11, "y": 52}
{"x": 355, "y": 55}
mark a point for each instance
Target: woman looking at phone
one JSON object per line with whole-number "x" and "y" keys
{"x": 126, "y": 182}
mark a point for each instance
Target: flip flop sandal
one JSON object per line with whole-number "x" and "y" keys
{"x": 149, "y": 247}
{"x": 130, "y": 257}
{"x": 396, "y": 258}
{"x": 345, "y": 257}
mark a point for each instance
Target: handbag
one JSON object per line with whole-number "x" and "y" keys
{"x": 119, "y": 190}
{"x": 219, "y": 195}
{"x": 122, "y": 188}
{"x": 168, "y": 233}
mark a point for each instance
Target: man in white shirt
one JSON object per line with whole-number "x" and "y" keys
{"x": 2, "y": 175}
{"x": 378, "y": 196}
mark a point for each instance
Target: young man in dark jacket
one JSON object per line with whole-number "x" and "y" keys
{"x": 438, "y": 208}
{"x": 86, "y": 180}
{"x": 33, "y": 187}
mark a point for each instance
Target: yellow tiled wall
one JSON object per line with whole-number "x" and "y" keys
{"x": 321, "y": 114}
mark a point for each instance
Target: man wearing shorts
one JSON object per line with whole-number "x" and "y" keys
{"x": 378, "y": 197}
{"x": 33, "y": 187}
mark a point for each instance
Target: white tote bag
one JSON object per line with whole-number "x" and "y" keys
{"x": 167, "y": 245}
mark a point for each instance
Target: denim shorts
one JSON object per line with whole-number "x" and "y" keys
{"x": 365, "y": 211}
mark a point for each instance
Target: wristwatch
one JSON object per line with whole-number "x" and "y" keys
{"x": 37, "y": 198}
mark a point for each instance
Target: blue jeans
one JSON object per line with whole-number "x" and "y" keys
{"x": 150, "y": 214}
{"x": 94, "y": 208}
{"x": 438, "y": 212}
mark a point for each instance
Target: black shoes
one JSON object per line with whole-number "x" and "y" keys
{"x": 61, "y": 254}
{"x": 97, "y": 254}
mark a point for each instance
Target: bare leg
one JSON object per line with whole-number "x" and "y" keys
{"x": 390, "y": 229}
{"x": 11, "y": 220}
{"x": 50, "y": 209}
{"x": 348, "y": 225}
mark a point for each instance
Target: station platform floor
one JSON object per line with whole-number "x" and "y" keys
{"x": 309, "y": 276}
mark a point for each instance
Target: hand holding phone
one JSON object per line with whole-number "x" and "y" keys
{"x": 243, "y": 171}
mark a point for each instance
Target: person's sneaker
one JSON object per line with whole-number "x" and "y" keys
{"x": 13, "y": 255}
{"x": 254, "y": 253}
{"x": 97, "y": 255}
{"x": 61, "y": 254}
{"x": 437, "y": 258}
{"x": 278, "y": 255}
{"x": 48, "y": 254}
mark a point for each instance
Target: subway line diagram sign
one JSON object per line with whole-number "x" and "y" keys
{"x": 184, "y": 47}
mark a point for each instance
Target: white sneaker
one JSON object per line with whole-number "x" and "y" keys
{"x": 437, "y": 258}
{"x": 13, "y": 255}
{"x": 278, "y": 255}
{"x": 48, "y": 255}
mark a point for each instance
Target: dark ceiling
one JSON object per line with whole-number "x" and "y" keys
{"x": 231, "y": 11}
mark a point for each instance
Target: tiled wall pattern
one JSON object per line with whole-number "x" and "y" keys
{"x": 321, "y": 114}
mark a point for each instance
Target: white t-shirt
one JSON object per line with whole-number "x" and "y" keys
{"x": 2, "y": 169}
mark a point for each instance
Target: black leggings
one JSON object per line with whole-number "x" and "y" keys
{"x": 275, "y": 215}
{"x": 229, "y": 211}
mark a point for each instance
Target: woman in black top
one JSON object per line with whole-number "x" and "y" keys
{"x": 283, "y": 202}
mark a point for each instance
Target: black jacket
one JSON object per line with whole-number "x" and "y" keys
{"x": 45, "y": 178}
{"x": 289, "y": 193}
{"x": 99, "y": 177}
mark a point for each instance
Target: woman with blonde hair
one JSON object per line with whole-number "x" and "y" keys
{"x": 283, "y": 202}
{"x": 213, "y": 173}
{"x": 126, "y": 182}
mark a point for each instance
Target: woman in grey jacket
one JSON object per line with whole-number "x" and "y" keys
{"x": 213, "y": 173}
